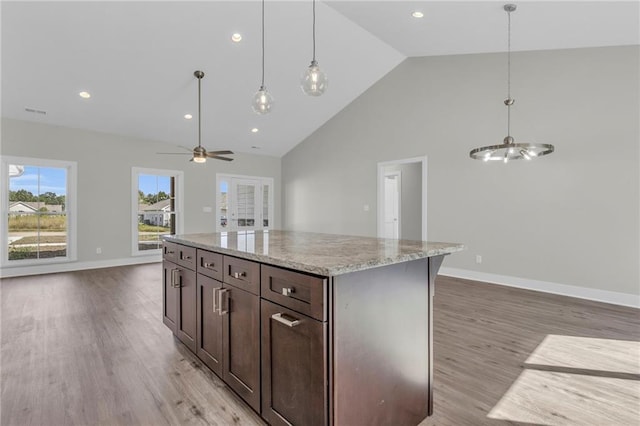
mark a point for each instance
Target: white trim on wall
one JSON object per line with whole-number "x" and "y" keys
{"x": 78, "y": 266}
{"x": 616, "y": 298}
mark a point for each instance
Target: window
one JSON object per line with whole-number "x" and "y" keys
{"x": 156, "y": 207}
{"x": 38, "y": 205}
{"x": 244, "y": 203}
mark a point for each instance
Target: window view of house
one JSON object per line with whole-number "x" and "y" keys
{"x": 37, "y": 226}
{"x": 156, "y": 210}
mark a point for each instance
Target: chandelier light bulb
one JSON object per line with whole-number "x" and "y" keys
{"x": 262, "y": 101}
{"x": 314, "y": 81}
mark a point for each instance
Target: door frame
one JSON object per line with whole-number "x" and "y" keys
{"x": 381, "y": 174}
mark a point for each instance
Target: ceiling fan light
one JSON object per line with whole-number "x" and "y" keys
{"x": 262, "y": 101}
{"x": 199, "y": 159}
{"x": 314, "y": 81}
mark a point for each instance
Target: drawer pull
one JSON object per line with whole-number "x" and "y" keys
{"x": 175, "y": 278}
{"x": 209, "y": 265}
{"x": 186, "y": 257}
{"x": 286, "y": 291}
{"x": 288, "y": 322}
{"x": 170, "y": 252}
{"x": 239, "y": 275}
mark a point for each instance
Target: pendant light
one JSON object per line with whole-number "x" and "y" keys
{"x": 509, "y": 150}
{"x": 262, "y": 100}
{"x": 314, "y": 81}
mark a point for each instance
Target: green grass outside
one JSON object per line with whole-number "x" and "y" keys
{"x": 143, "y": 227}
{"x": 30, "y": 222}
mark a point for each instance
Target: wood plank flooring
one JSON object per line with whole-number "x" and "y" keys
{"x": 89, "y": 348}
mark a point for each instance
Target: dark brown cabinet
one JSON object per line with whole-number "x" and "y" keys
{"x": 179, "y": 293}
{"x": 228, "y": 330}
{"x": 209, "y": 324}
{"x": 241, "y": 342}
{"x": 169, "y": 296}
{"x": 294, "y": 371}
{"x": 301, "y": 346}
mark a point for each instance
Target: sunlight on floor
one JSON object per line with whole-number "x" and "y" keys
{"x": 572, "y": 380}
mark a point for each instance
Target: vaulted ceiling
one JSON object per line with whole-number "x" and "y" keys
{"x": 137, "y": 58}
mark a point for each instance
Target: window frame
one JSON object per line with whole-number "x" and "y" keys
{"x": 178, "y": 175}
{"x": 263, "y": 180}
{"x": 71, "y": 207}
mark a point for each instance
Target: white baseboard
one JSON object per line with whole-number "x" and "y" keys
{"x": 51, "y": 268}
{"x": 623, "y": 299}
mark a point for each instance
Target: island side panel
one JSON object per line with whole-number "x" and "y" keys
{"x": 381, "y": 350}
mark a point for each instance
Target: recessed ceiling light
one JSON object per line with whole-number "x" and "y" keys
{"x": 188, "y": 116}
{"x": 254, "y": 130}
{"x": 85, "y": 95}
{"x": 417, "y": 14}
{"x": 236, "y": 37}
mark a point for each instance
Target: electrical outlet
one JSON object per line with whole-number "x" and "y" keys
{"x": 478, "y": 258}
{"x": 98, "y": 250}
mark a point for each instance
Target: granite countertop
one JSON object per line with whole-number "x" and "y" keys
{"x": 321, "y": 254}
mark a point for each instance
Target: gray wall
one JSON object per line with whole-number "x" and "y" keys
{"x": 569, "y": 218}
{"x": 104, "y": 180}
{"x": 411, "y": 199}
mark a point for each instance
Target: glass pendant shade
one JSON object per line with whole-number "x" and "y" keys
{"x": 314, "y": 81}
{"x": 262, "y": 101}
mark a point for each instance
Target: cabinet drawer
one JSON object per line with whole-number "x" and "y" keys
{"x": 243, "y": 274}
{"x": 210, "y": 264}
{"x": 169, "y": 251}
{"x": 300, "y": 292}
{"x": 186, "y": 257}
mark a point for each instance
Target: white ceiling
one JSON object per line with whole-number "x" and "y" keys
{"x": 137, "y": 58}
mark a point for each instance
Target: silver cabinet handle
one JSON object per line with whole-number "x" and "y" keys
{"x": 215, "y": 308}
{"x": 185, "y": 257}
{"x": 221, "y": 298}
{"x": 289, "y": 323}
{"x": 286, "y": 291}
{"x": 170, "y": 251}
{"x": 208, "y": 265}
{"x": 175, "y": 278}
{"x": 238, "y": 275}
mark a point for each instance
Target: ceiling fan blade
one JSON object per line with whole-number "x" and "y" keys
{"x": 219, "y": 152}
{"x": 175, "y": 153}
{"x": 220, "y": 158}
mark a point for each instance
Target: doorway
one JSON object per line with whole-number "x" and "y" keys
{"x": 392, "y": 204}
{"x": 402, "y": 199}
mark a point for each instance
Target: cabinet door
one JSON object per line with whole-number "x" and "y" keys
{"x": 294, "y": 375}
{"x": 209, "y": 324}
{"x": 169, "y": 296}
{"x": 241, "y": 336}
{"x": 186, "y": 326}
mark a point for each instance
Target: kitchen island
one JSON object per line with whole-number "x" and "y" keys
{"x": 308, "y": 328}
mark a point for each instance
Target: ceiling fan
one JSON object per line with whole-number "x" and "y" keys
{"x": 200, "y": 154}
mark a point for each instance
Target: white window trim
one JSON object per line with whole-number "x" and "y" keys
{"x": 218, "y": 199}
{"x": 71, "y": 209}
{"x": 179, "y": 205}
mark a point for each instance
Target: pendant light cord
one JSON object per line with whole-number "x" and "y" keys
{"x": 509, "y": 76}
{"x": 314, "y": 31}
{"x": 199, "y": 114}
{"x": 262, "y": 83}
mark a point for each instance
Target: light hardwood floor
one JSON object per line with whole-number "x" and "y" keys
{"x": 89, "y": 348}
